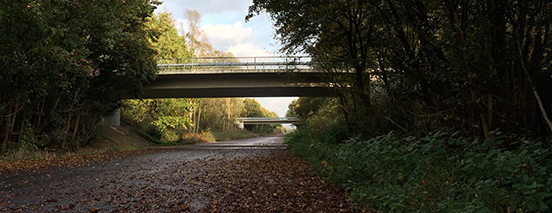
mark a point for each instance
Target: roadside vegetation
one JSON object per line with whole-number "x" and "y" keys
{"x": 174, "y": 121}
{"x": 207, "y": 120}
{"x": 442, "y": 106}
{"x": 66, "y": 65}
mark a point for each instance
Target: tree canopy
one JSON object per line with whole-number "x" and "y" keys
{"x": 421, "y": 65}
{"x": 66, "y": 64}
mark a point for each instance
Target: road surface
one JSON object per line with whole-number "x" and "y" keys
{"x": 253, "y": 175}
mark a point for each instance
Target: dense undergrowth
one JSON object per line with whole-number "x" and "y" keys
{"x": 437, "y": 173}
{"x": 156, "y": 137}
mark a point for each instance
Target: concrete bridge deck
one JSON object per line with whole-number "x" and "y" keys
{"x": 237, "y": 85}
{"x": 237, "y": 77}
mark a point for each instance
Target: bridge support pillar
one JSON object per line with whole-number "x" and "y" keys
{"x": 240, "y": 124}
{"x": 114, "y": 120}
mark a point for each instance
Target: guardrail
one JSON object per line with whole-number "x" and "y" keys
{"x": 234, "y": 64}
{"x": 268, "y": 119}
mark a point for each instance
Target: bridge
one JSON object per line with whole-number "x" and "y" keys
{"x": 214, "y": 65}
{"x": 267, "y": 120}
{"x": 213, "y": 77}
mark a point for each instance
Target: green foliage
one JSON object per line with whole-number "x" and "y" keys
{"x": 182, "y": 120}
{"x": 252, "y": 108}
{"x": 167, "y": 42}
{"x": 415, "y": 66}
{"x": 218, "y": 114}
{"x": 66, "y": 65}
{"x": 165, "y": 119}
{"x": 435, "y": 173}
{"x": 323, "y": 113}
{"x": 292, "y": 106}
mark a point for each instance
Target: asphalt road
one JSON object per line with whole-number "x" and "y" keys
{"x": 192, "y": 178}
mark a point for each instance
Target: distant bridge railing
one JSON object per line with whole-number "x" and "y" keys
{"x": 268, "y": 120}
{"x": 235, "y": 64}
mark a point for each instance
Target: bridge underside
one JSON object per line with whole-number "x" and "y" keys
{"x": 239, "y": 92}
{"x": 237, "y": 85}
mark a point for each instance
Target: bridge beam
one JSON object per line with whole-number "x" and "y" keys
{"x": 240, "y": 92}
{"x": 237, "y": 85}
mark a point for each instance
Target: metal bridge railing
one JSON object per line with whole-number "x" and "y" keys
{"x": 234, "y": 64}
{"x": 268, "y": 119}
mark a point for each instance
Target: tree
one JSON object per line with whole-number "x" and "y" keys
{"x": 60, "y": 78}
{"x": 469, "y": 66}
{"x": 220, "y": 113}
{"x": 197, "y": 39}
{"x": 169, "y": 117}
{"x": 168, "y": 43}
{"x": 292, "y": 109}
{"x": 252, "y": 108}
{"x": 194, "y": 115}
{"x": 341, "y": 36}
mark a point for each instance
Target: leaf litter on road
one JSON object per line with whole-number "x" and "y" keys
{"x": 176, "y": 181}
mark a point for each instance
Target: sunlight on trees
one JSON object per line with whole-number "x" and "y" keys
{"x": 66, "y": 65}
{"x": 178, "y": 119}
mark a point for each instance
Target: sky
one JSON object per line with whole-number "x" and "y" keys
{"x": 224, "y": 23}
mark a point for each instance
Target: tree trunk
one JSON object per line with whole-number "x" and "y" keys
{"x": 194, "y": 119}
{"x": 76, "y": 126}
{"x": 42, "y": 105}
{"x": 198, "y": 118}
{"x": 535, "y": 92}
{"x": 7, "y": 128}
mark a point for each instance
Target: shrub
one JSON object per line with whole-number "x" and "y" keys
{"x": 154, "y": 132}
{"x": 233, "y": 135}
{"x": 192, "y": 138}
{"x": 438, "y": 173}
{"x": 208, "y": 136}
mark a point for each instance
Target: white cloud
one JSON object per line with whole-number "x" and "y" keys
{"x": 277, "y": 104}
{"x": 235, "y": 38}
{"x": 247, "y": 50}
{"x": 224, "y": 23}
{"x": 230, "y": 34}
{"x": 210, "y": 6}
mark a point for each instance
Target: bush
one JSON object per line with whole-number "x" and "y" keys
{"x": 154, "y": 132}
{"x": 208, "y": 136}
{"x": 438, "y": 173}
{"x": 233, "y": 135}
{"x": 193, "y": 138}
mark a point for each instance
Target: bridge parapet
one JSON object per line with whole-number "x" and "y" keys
{"x": 268, "y": 120}
{"x": 267, "y": 64}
